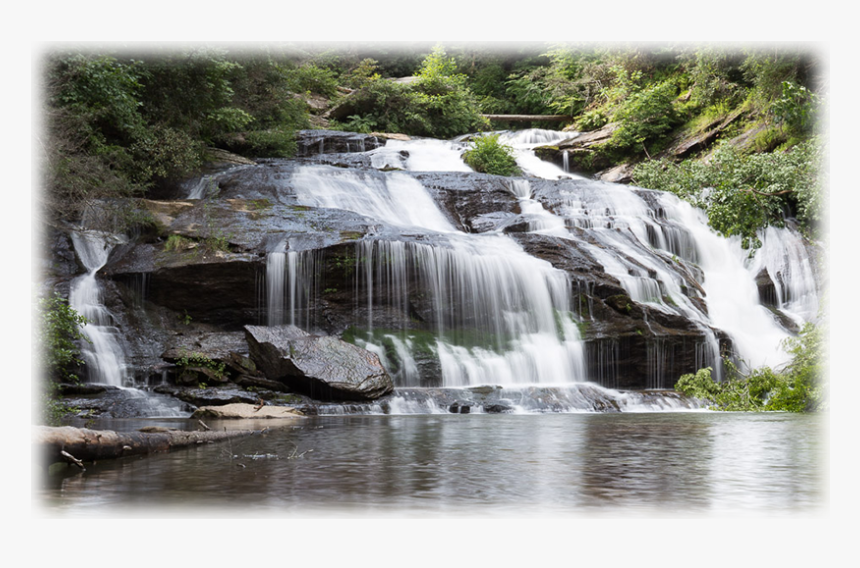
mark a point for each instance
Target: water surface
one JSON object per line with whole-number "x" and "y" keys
{"x": 508, "y": 465}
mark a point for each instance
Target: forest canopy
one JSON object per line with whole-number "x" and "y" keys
{"x": 119, "y": 123}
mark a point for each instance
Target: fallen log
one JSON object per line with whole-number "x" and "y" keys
{"x": 528, "y": 117}
{"x": 62, "y": 444}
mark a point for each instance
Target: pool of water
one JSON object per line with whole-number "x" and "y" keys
{"x": 507, "y": 465}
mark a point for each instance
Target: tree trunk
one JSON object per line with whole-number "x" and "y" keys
{"x": 528, "y": 117}
{"x": 87, "y": 445}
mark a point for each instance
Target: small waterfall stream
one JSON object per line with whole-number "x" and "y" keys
{"x": 104, "y": 354}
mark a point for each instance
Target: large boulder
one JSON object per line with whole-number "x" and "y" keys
{"x": 323, "y": 367}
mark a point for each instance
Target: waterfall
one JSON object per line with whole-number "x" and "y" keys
{"x": 524, "y": 142}
{"x": 487, "y": 312}
{"x": 103, "y": 354}
{"x": 733, "y": 300}
{"x": 498, "y": 314}
{"x": 787, "y": 261}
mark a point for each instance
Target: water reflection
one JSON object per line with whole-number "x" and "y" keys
{"x": 501, "y": 464}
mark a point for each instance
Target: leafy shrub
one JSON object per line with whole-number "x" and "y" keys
{"x": 716, "y": 77}
{"x": 163, "y": 152}
{"x": 193, "y": 360}
{"x": 177, "y": 243}
{"x": 275, "y": 143}
{"x": 767, "y": 69}
{"x": 58, "y": 334}
{"x": 645, "y": 116}
{"x": 591, "y": 120}
{"x": 743, "y": 193}
{"x": 312, "y": 79}
{"x": 796, "y": 388}
{"x": 490, "y": 156}
{"x": 102, "y": 89}
{"x": 797, "y": 108}
{"x": 361, "y": 74}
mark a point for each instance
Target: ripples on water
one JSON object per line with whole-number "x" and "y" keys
{"x": 693, "y": 462}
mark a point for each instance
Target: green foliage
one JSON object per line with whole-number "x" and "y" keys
{"x": 176, "y": 243}
{"x": 194, "y": 360}
{"x": 101, "y": 89}
{"x": 646, "y": 116}
{"x": 490, "y": 156}
{"x": 768, "y": 69}
{"x": 438, "y": 69}
{"x": 797, "y": 108}
{"x": 274, "y": 143}
{"x": 52, "y": 409}
{"x": 59, "y": 331}
{"x": 716, "y": 76}
{"x": 162, "y": 152}
{"x": 744, "y": 193}
{"x": 367, "y": 70}
{"x": 312, "y": 79}
{"x": 192, "y": 91}
{"x": 438, "y": 104}
{"x": 798, "y": 387}
{"x": 699, "y": 385}
{"x": 117, "y": 125}
{"x": 591, "y": 120}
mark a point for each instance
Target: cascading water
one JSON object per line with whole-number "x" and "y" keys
{"x": 103, "y": 354}
{"x": 275, "y": 271}
{"x": 790, "y": 267}
{"x": 501, "y": 316}
{"x": 525, "y": 141}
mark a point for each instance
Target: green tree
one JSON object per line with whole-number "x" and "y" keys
{"x": 437, "y": 104}
{"x": 646, "y": 116}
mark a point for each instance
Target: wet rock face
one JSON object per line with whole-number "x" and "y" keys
{"x": 324, "y": 367}
{"x": 315, "y": 142}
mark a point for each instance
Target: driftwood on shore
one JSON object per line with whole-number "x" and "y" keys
{"x": 76, "y": 445}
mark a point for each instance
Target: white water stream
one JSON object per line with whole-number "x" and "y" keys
{"x": 484, "y": 283}
{"x": 103, "y": 354}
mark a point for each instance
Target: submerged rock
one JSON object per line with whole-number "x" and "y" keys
{"x": 323, "y": 367}
{"x": 245, "y": 411}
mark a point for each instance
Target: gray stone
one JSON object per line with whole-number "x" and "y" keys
{"x": 323, "y": 367}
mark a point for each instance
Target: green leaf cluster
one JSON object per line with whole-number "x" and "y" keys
{"x": 58, "y": 335}
{"x": 437, "y": 104}
{"x": 797, "y": 387}
{"x": 490, "y": 156}
{"x": 645, "y": 116}
{"x": 743, "y": 193}
{"x": 191, "y": 360}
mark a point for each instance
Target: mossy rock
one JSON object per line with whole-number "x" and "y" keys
{"x": 622, "y": 304}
